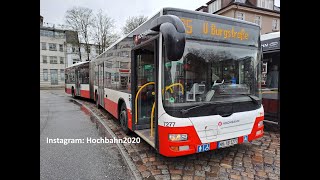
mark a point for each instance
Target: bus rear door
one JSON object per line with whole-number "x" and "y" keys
{"x": 100, "y": 84}
{"x": 78, "y": 85}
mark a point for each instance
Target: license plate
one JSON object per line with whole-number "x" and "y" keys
{"x": 227, "y": 143}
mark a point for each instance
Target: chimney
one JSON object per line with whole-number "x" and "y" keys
{"x": 41, "y": 20}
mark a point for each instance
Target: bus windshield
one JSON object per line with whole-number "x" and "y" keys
{"x": 211, "y": 72}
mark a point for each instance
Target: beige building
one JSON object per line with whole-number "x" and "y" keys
{"x": 52, "y": 57}
{"x": 261, "y": 12}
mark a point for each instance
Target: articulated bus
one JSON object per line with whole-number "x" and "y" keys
{"x": 184, "y": 81}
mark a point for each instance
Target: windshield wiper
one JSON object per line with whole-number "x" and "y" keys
{"x": 255, "y": 99}
{"x": 185, "y": 111}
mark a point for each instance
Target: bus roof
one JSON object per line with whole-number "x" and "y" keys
{"x": 210, "y": 15}
{"x": 79, "y": 63}
{"x": 181, "y": 10}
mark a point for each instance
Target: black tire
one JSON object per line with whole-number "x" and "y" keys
{"x": 97, "y": 102}
{"x": 72, "y": 93}
{"x": 124, "y": 119}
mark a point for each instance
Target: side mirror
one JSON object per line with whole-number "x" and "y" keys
{"x": 173, "y": 32}
{"x": 174, "y": 41}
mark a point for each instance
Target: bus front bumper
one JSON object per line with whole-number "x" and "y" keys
{"x": 182, "y": 148}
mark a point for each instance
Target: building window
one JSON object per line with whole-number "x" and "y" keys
{"x": 53, "y": 60}
{"x": 116, "y": 64}
{"x": 62, "y": 74}
{"x": 74, "y": 61}
{"x": 61, "y": 47}
{"x": 97, "y": 51}
{"x": 46, "y": 33}
{"x": 258, "y": 20}
{"x": 75, "y": 49}
{"x": 44, "y": 46}
{"x": 124, "y": 65}
{"x": 268, "y": 4}
{"x": 52, "y": 47}
{"x": 45, "y": 74}
{"x": 61, "y": 60}
{"x": 275, "y": 24}
{"x": 44, "y": 59}
{"x": 109, "y": 65}
{"x": 54, "y": 76}
{"x": 88, "y": 49}
{"x": 60, "y": 35}
{"x": 215, "y": 6}
{"x": 116, "y": 77}
{"x": 241, "y": 15}
{"x": 123, "y": 54}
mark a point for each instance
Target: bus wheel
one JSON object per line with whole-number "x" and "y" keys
{"x": 97, "y": 101}
{"x": 124, "y": 119}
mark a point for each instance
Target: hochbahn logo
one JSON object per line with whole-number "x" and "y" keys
{"x": 231, "y": 122}
{"x": 228, "y": 122}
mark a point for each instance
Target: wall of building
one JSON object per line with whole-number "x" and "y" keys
{"x": 250, "y": 14}
{"x": 229, "y": 13}
{"x": 224, "y": 3}
{"x": 74, "y": 57}
{"x": 84, "y": 54}
{"x": 254, "y": 2}
{"x": 49, "y": 66}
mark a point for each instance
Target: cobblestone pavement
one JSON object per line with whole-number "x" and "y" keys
{"x": 259, "y": 159}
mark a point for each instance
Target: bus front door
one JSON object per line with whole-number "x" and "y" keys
{"x": 144, "y": 90}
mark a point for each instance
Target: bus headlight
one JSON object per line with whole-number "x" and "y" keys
{"x": 178, "y": 137}
{"x": 260, "y": 124}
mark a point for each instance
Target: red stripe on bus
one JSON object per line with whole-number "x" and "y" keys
{"x": 111, "y": 107}
{"x": 252, "y": 135}
{"x": 85, "y": 94}
{"x": 164, "y": 143}
{"x": 68, "y": 90}
{"x": 129, "y": 119}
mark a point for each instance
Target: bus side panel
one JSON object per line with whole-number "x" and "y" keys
{"x": 68, "y": 88}
{"x": 91, "y": 80}
{"x": 95, "y": 89}
{"x": 85, "y": 91}
{"x": 112, "y": 99}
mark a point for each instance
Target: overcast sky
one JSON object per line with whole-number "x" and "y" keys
{"x": 53, "y": 11}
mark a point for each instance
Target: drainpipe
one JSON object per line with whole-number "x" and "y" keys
{"x": 234, "y": 15}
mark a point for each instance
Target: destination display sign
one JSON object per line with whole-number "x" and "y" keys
{"x": 218, "y": 29}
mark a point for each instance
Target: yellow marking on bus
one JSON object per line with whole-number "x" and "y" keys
{"x": 151, "y": 123}
{"x": 136, "y": 100}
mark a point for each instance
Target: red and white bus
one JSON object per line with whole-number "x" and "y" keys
{"x": 184, "y": 81}
{"x": 77, "y": 80}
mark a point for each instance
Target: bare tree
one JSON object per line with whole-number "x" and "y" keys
{"x": 102, "y": 32}
{"x": 80, "y": 19}
{"x": 132, "y": 23}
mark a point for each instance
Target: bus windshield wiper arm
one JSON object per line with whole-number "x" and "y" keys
{"x": 185, "y": 111}
{"x": 255, "y": 99}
